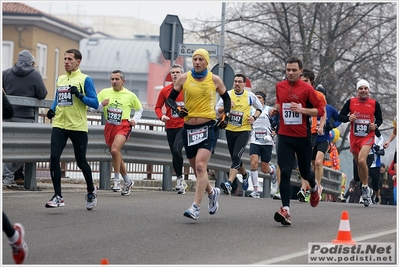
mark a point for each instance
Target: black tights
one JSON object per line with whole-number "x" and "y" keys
{"x": 7, "y": 226}
{"x": 287, "y": 148}
{"x": 236, "y": 143}
{"x": 175, "y": 142}
{"x": 59, "y": 138}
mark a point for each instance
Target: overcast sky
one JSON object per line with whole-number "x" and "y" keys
{"x": 152, "y": 11}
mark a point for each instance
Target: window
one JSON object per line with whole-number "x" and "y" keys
{"x": 7, "y": 55}
{"x": 56, "y": 63}
{"x": 41, "y": 59}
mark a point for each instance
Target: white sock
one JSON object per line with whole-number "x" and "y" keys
{"x": 14, "y": 238}
{"x": 287, "y": 209}
{"x": 116, "y": 177}
{"x": 254, "y": 176}
{"x": 126, "y": 179}
{"x": 211, "y": 193}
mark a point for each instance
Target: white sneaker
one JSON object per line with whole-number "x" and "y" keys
{"x": 179, "y": 183}
{"x": 366, "y": 196}
{"x": 126, "y": 188}
{"x": 9, "y": 182}
{"x": 273, "y": 174}
{"x": 183, "y": 190}
{"x": 255, "y": 194}
{"x": 117, "y": 186}
{"x": 213, "y": 204}
{"x": 55, "y": 202}
{"x": 91, "y": 199}
{"x": 193, "y": 212}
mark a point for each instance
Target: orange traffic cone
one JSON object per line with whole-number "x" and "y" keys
{"x": 344, "y": 232}
{"x": 104, "y": 261}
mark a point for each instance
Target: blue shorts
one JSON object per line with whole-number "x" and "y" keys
{"x": 208, "y": 143}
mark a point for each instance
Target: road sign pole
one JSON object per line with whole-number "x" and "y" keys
{"x": 172, "y": 58}
{"x": 221, "y": 48}
{"x": 222, "y": 135}
{"x": 170, "y": 34}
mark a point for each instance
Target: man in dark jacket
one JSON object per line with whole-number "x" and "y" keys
{"x": 22, "y": 80}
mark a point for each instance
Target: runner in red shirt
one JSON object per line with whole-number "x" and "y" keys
{"x": 365, "y": 116}
{"x": 173, "y": 127}
{"x": 296, "y": 102}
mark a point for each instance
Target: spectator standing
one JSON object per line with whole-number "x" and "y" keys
{"x": 386, "y": 144}
{"x": 75, "y": 91}
{"x": 261, "y": 145}
{"x": 386, "y": 186}
{"x": 200, "y": 130}
{"x": 22, "y": 80}
{"x": 353, "y": 193}
{"x": 392, "y": 172}
{"x": 364, "y": 115}
{"x": 239, "y": 129}
{"x": 296, "y": 102}
{"x": 173, "y": 126}
{"x": 117, "y": 103}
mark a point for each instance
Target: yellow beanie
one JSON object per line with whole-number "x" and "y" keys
{"x": 204, "y": 53}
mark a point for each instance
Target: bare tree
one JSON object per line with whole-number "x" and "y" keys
{"x": 341, "y": 42}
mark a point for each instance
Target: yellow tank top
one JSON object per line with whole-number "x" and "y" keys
{"x": 200, "y": 97}
{"x": 239, "y": 112}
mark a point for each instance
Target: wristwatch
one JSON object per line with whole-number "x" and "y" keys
{"x": 255, "y": 118}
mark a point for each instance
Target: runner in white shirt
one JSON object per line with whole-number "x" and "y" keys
{"x": 261, "y": 144}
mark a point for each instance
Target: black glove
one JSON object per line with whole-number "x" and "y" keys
{"x": 222, "y": 122}
{"x": 182, "y": 112}
{"x": 75, "y": 91}
{"x": 378, "y": 151}
{"x": 329, "y": 127}
{"x": 50, "y": 114}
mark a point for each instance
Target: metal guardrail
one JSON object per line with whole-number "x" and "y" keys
{"x": 26, "y": 142}
{"x": 30, "y": 143}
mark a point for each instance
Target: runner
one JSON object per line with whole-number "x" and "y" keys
{"x": 200, "y": 132}
{"x": 292, "y": 98}
{"x": 239, "y": 129}
{"x": 117, "y": 103}
{"x": 364, "y": 115}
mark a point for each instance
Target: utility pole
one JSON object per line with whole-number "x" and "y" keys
{"x": 221, "y": 46}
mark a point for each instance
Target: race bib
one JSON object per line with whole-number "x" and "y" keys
{"x": 196, "y": 136}
{"x": 361, "y": 127}
{"x": 174, "y": 113}
{"x": 114, "y": 115}
{"x": 64, "y": 96}
{"x": 290, "y": 117}
{"x": 236, "y": 118}
{"x": 260, "y": 136}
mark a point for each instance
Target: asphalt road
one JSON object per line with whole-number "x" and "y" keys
{"x": 148, "y": 228}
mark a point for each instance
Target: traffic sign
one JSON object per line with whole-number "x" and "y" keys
{"x": 187, "y": 50}
{"x": 248, "y": 85}
{"x": 170, "y": 35}
{"x": 228, "y": 75}
{"x": 168, "y": 80}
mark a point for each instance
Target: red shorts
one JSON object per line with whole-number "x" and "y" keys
{"x": 111, "y": 130}
{"x": 356, "y": 143}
